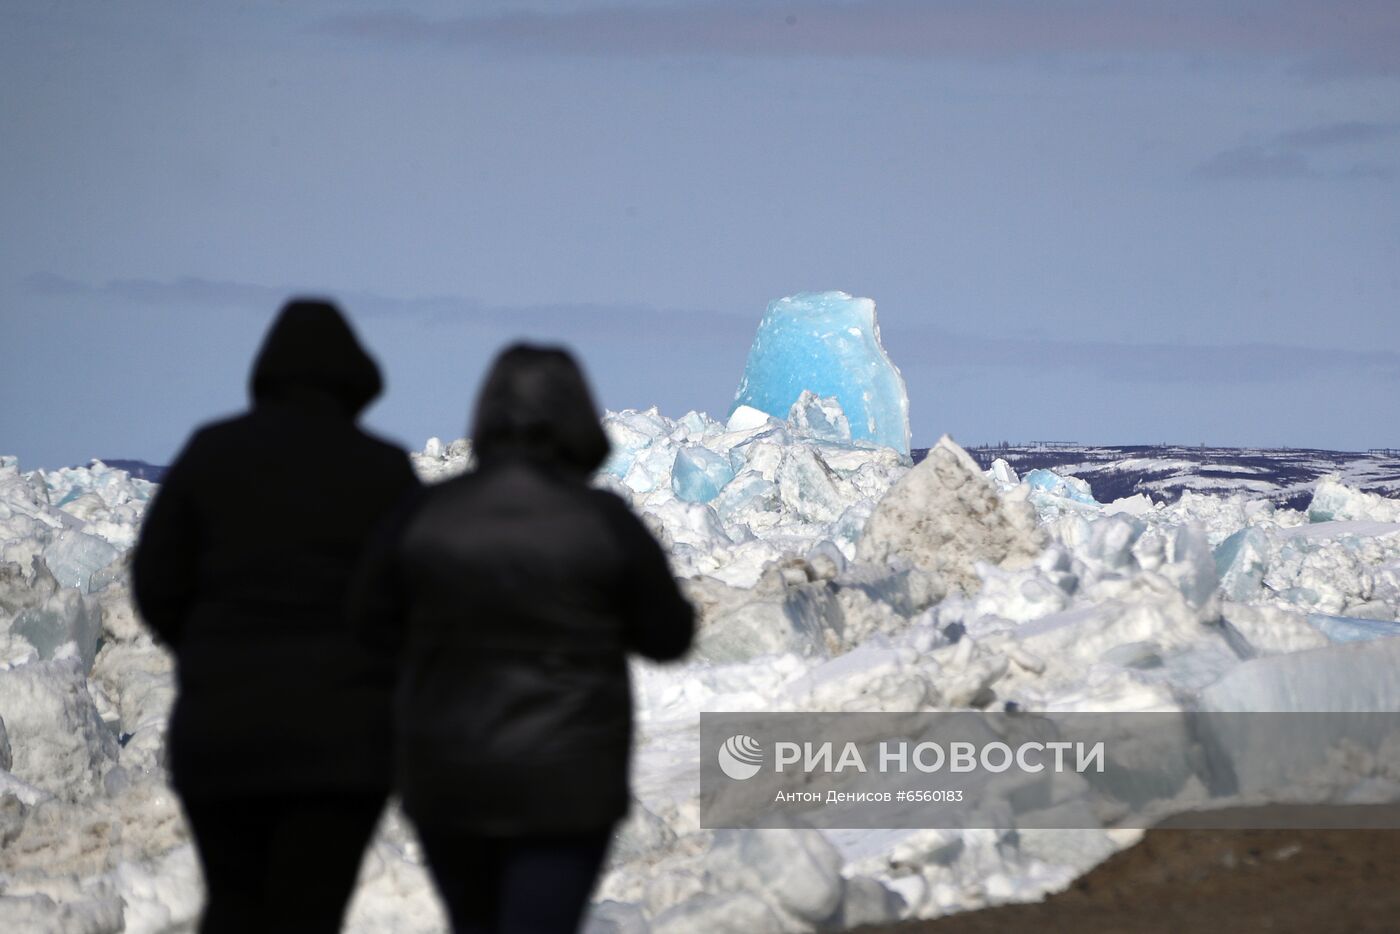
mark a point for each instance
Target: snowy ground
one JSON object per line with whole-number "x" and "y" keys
{"x": 829, "y": 576}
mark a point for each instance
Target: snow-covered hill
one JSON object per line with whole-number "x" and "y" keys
{"x": 1284, "y": 476}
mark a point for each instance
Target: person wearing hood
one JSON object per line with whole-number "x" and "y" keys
{"x": 279, "y": 742}
{"x": 512, "y": 596}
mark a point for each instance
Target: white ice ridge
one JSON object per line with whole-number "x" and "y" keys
{"x": 829, "y": 575}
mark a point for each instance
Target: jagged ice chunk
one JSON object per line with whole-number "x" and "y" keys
{"x": 699, "y": 474}
{"x": 828, "y": 343}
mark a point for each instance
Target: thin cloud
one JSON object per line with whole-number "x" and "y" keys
{"x": 53, "y": 285}
{"x": 1145, "y": 363}
{"x": 639, "y": 324}
{"x": 188, "y": 291}
{"x": 1366, "y": 171}
{"x": 1288, "y": 155}
{"x": 1348, "y": 133}
{"x": 192, "y": 291}
{"x": 610, "y": 321}
{"x": 1345, "y": 37}
{"x": 1255, "y": 162}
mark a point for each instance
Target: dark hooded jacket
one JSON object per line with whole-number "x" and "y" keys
{"x": 513, "y": 595}
{"x": 243, "y": 565}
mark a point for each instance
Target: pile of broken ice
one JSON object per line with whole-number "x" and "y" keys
{"x": 830, "y": 574}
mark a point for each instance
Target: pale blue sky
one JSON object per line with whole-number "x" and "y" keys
{"x": 1100, "y": 221}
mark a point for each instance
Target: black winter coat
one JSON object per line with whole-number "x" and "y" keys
{"x": 243, "y": 565}
{"x": 513, "y": 596}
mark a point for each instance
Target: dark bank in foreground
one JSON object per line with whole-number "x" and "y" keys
{"x": 1224, "y": 881}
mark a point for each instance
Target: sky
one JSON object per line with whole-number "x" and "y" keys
{"x": 1110, "y": 221}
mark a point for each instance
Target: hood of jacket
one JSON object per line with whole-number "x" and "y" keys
{"x": 535, "y": 404}
{"x": 310, "y": 351}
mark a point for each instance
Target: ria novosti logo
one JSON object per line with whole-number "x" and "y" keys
{"x": 740, "y": 757}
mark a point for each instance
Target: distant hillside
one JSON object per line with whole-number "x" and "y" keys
{"x": 139, "y": 469}
{"x": 1284, "y": 475}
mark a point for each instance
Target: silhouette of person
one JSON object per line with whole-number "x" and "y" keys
{"x": 512, "y": 596}
{"x": 280, "y": 740}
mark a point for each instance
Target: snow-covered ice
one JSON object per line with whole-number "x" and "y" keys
{"x": 829, "y": 574}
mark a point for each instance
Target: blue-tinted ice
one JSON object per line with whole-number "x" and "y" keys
{"x": 1069, "y": 487}
{"x": 829, "y": 343}
{"x": 699, "y": 474}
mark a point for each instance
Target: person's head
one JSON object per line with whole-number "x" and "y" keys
{"x": 310, "y": 351}
{"x": 535, "y": 404}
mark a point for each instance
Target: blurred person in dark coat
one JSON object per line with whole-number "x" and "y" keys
{"x": 280, "y": 740}
{"x": 513, "y": 596}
